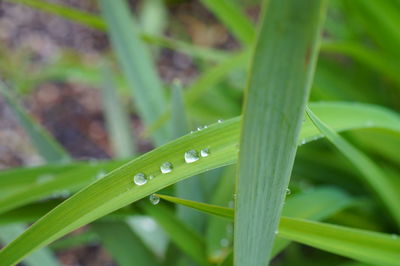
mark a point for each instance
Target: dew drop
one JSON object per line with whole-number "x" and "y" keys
{"x": 199, "y": 128}
{"x": 44, "y": 179}
{"x": 303, "y": 141}
{"x": 276, "y": 232}
{"x": 205, "y": 152}
{"x": 224, "y": 242}
{"x": 234, "y": 196}
{"x": 288, "y": 191}
{"x": 220, "y": 120}
{"x": 154, "y": 199}
{"x": 191, "y": 156}
{"x": 140, "y": 179}
{"x": 100, "y": 174}
{"x": 166, "y": 168}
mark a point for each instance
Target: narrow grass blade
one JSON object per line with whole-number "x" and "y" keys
{"x": 190, "y": 188}
{"x": 218, "y": 228}
{"x": 362, "y": 245}
{"x": 50, "y": 150}
{"x": 42, "y": 257}
{"x": 117, "y": 119}
{"x": 78, "y": 16}
{"x": 125, "y": 246}
{"x": 373, "y": 175}
{"x": 227, "y": 11}
{"x": 116, "y": 189}
{"x": 277, "y": 92}
{"x": 182, "y": 236}
{"x": 137, "y": 65}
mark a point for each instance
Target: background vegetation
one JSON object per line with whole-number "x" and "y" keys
{"x": 96, "y": 93}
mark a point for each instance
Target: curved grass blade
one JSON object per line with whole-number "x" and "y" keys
{"x": 276, "y": 95}
{"x": 373, "y": 175}
{"x": 117, "y": 190}
{"x": 361, "y": 245}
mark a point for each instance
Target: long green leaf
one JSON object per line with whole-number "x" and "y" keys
{"x": 117, "y": 189}
{"x": 276, "y": 95}
{"x": 373, "y": 175}
{"x": 137, "y": 64}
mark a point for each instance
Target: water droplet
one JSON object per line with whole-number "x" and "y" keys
{"x": 205, "y": 152}
{"x": 140, "y": 179}
{"x": 191, "y": 132}
{"x": 220, "y": 120}
{"x": 44, "y": 179}
{"x": 303, "y": 141}
{"x": 166, "y": 168}
{"x": 100, "y": 174}
{"x": 276, "y": 232}
{"x": 234, "y": 196}
{"x": 205, "y": 127}
{"x": 151, "y": 177}
{"x": 154, "y": 199}
{"x": 191, "y": 156}
{"x": 224, "y": 242}
{"x": 288, "y": 191}
{"x": 199, "y": 128}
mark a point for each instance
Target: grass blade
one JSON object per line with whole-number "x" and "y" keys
{"x": 373, "y": 175}
{"x": 50, "y": 150}
{"x": 181, "y": 235}
{"x": 137, "y": 65}
{"x": 125, "y": 246}
{"x": 277, "y": 92}
{"x": 78, "y": 16}
{"x": 42, "y": 257}
{"x": 117, "y": 119}
{"x": 191, "y": 187}
{"x": 240, "y": 26}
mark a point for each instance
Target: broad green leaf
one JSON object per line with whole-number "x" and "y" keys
{"x": 276, "y": 95}
{"x": 50, "y": 150}
{"x": 386, "y": 190}
{"x": 116, "y": 189}
{"x": 137, "y": 64}
{"x": 361, "y": 245}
